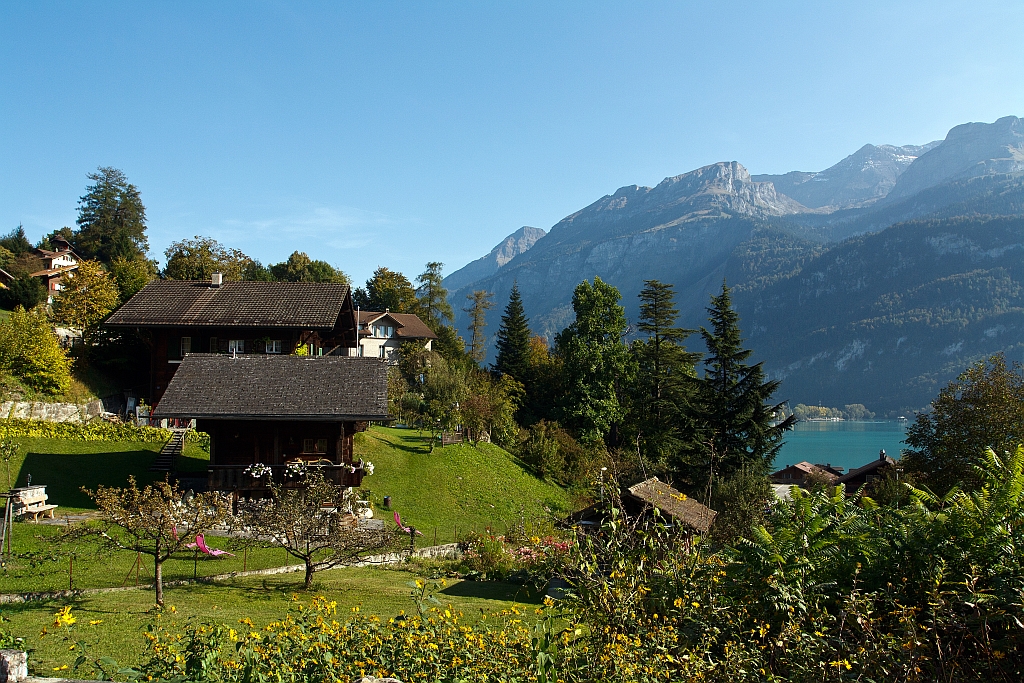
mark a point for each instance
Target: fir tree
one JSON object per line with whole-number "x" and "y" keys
{"x": 513, "y": 342}
{"x": 665, "y": 375}
{"x": 737, "y": 425}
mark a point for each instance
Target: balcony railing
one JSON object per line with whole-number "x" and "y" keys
{"x": 236, "y": 478}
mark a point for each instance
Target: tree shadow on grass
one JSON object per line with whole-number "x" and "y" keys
{"x": 65, "y": 474}
{"x": 421, "y": 447}
{"x": 496, "y": 590}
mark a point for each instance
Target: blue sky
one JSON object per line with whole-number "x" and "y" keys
{"x": 380, "y": 133}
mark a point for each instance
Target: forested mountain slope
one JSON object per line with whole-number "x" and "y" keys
{"x": 887, "y": 319}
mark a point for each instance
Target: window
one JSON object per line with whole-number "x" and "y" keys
{"x": 186, "y": 346}
{"x": 382, "y": 351}
{"x": 273, "y": 346}
{"x": 213, "y": 345}
{"x": 236, "y": 346}
{"x": 314, "y": 445}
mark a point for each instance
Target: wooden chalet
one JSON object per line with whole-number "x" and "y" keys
{"x": 804, "y": 473}
{"x": 236, "y": 318}
{"x": 855, "y": 479}
{"x": 275, "y": 410}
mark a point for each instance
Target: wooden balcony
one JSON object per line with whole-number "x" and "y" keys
{"x": 235, "y": 478}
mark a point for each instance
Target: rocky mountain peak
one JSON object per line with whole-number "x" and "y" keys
{"x": 969, "y": 150}
{"x": 513, "y": 245}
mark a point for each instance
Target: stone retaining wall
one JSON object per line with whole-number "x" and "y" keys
{"x": 58, "y": 412}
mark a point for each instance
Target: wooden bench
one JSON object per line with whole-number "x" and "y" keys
{"x": 31, "y": 501}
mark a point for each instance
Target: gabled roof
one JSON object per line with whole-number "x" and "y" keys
{"x": 407, "y": 325}
{"x": 671, "y": 502}
{"x": 870, "y": 468}
{"x": 808, "y": 469}
{"x": 268, "y": 387}
{"x": 167, "y": 303}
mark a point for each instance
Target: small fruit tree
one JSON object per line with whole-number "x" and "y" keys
{"x": 154, "y": 520}
{"x": 312, "y": 522}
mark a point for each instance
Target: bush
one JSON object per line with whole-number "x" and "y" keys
{"x": 30, "y": 351}
{"x": 91, "y": 431}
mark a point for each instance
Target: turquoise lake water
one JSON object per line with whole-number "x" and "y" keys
{"x": 845, "y": 444}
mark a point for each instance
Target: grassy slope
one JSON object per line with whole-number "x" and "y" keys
{"x": 465, "y": 486}
{"x": 124, "y": 615}
{"x": 65, "y": 466}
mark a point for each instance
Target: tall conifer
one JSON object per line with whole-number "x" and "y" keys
{"x": 737, "y": 424}
{"x": 513, "y": 342}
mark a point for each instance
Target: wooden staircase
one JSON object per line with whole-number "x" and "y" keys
{"x": 167, "y": 459}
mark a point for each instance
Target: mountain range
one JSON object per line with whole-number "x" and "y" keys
{"x": 874, "y": 281}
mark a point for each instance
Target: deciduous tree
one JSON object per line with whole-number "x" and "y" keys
{"x": 130, "y": 275}
{"x": 200, "y": 257}
{"x": 111, "y": 219}
{"x": 87, "y": 297}
{"x": 389, "y": 290}
{"x": 314, "y": 524}
{"x": 983, "y": 408}
{"x": 154, "y": 520}
{"x": 596, "y": 362}
{"x": 30, "y": 351}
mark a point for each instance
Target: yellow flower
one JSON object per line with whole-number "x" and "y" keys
{"x": 93, "y": 622}
{"x": 60, "y": 668}
{"x": 63, "y": 617}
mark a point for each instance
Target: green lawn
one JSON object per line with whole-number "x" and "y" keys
{"x": 463, "y": 486}
{"x": 124, "y": 615}
{"x": 66, "y": 466}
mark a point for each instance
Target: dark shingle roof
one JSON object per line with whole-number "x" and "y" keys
{"x": 266, "y": 387}
{"x": 672, "y": 502}
{"x": 165, "y": 303}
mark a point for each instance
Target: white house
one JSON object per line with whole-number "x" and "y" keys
{"x": 381, "y": 334}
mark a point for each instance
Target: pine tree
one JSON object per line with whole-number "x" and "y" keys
{"x": 477, "y": 322}
{"x": 737, "y": 426}
{"x": 513, "y": 342}
{"x": 665, "y": 376}
{"x": 111, "y": 219}
{"x": 433, "y": 297}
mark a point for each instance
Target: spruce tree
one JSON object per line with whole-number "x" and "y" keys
{"x": 737, "y": 425}
{"x": 665, "y": 376}
{"x": 513, "y": 342}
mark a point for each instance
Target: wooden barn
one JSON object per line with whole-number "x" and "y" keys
{"x": 275, "y": 411}
{"x": 179, "y": 317}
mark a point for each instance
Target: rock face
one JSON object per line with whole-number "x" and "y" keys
{"x": 515, "y": 244}
{"x": 969, "y": 150}
{"x": 860, "y": 179}
{"x": 680, "y": 231}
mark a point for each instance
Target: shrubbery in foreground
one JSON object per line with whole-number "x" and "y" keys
{"x": 828, "y": 589}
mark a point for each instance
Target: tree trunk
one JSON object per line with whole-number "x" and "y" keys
{"x": 309, "y": 574}
{"x": 158, "y": 574}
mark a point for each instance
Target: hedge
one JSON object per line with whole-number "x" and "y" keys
{"x": 73, "y": 431}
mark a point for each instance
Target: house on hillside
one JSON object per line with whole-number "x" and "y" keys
{"x": 382, "y": 334}
{"x": 805, "y": 473}
{"x": 180, "y": 317}
{"x": 873, "y": 471}
{"x": 277, "y": 411}
{"x": 54, "y": 265}
{"x": 640, "y": 499}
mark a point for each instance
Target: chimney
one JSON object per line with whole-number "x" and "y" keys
{"x": 217, "y": 279}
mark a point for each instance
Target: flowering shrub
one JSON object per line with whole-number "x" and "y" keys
{"x": 295, "y": 469}
{"x": 91, "y": 431}
{"x": 500, "y": 558}
{"x": 258, "y": 470}
{"x": 312, "y": 644}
